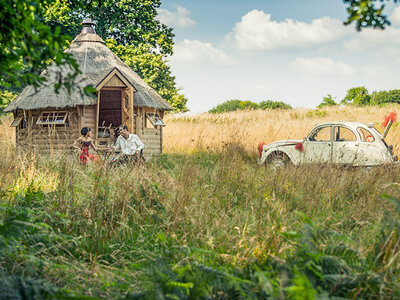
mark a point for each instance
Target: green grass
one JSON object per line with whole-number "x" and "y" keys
{"x": 205, "y": 225}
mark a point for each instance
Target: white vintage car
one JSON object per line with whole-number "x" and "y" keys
{"x": 344, "y": 143}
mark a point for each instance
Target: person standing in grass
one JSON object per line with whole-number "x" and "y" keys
{"x": 129, "y": 144}
{"x": 83, "y": 143}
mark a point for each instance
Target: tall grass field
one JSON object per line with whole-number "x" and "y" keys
{"x": 203, "y": 221}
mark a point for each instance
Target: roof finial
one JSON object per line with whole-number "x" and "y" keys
{"x": 88, "y": 26}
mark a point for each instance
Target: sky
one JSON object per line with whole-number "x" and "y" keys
{"x": 295, "y": 51}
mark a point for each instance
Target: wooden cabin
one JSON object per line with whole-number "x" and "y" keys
{"x": 46, "y": 120}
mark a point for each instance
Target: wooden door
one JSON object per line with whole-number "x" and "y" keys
{"x": 110, "y": 108}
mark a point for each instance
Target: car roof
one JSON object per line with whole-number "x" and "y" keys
{"x": 344, "y": 123}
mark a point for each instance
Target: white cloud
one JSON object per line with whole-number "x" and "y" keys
{"x": 321, "y": 67}
{"x": 178, "y": 19}
{"x": 193, "y": 51}
{"x": 395, "y": 17}
{"x": 256, "y": 31}
{"x": 374, "y": 38}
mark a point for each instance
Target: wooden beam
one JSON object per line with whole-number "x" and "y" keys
{"x": 97, "y": 115}
{"x": 115, "y": 71}
{"x": 131, "y": 118}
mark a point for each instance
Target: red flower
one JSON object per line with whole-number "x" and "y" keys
{"x": 299, "y": 147}
{"x": 391, "y": 116}
{"x": 260, "y": 148}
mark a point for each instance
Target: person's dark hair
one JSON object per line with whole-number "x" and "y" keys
{"x": 123, "y": 126}
{"x": 85, "y": 130}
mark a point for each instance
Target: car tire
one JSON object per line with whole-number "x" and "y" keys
{"x": 277, "y": 161}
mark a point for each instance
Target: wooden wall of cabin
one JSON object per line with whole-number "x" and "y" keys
{"x": 89, "y": 117}
{"x": 150, "y": 136}
{"x": 47, "y": 137}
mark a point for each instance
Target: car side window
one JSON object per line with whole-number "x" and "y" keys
{"x": 321, "y": 135}
{"x": 343, "y": 134}
{"x": 365, "y": 135}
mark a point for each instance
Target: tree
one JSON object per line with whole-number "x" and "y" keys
{"x": 269, "y": 104}
{"x": 27, "y": 45}
{"x": 382, "y": 97}
{"x": 132, "y": 31}
{"x": 365, "y": 14}
{"x": 153, "y": 69}
{"x": 233, "y": 105}
{"x": 128, "y": 22}
{"x": 327, "y": 101}
{"x": 357, "y": 96}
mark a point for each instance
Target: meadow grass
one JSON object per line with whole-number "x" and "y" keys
{"x": 204, "y": 220}
{"x": 248, "y": 128}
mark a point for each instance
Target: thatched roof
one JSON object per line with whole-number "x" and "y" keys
{"x": 95, "y": 61}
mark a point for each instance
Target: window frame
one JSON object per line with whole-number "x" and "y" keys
{"x": 17, "y": 121}
{"x": 312, "y": 135}
{"x": 363, "y": 138}
{"x": 355, "y": 135}
{"x": 54, "y": 114}
{"x": 154, "y": 119}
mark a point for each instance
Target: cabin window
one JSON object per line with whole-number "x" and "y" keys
{"x": 56, "y": 118}
{"x": 17, "y": 121}
{"x": 154, "y": 120}
{"x": 126, "y": 102}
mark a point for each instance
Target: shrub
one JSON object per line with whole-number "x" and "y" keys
{"x": 382, "y": 97}
{"x": 357, "y": 96}
{"x": 269, "y": 104}
{"x": 233, "y": 105}
{"x": 327, "y": 101}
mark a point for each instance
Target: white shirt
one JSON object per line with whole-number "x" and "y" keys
{"x": 129, "y": 146}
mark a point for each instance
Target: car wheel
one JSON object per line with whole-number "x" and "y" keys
{"x": 278, "y": 162}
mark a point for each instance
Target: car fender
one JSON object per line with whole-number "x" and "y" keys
{"x": 370, "y": 155}
{"x": 289, "y": 151}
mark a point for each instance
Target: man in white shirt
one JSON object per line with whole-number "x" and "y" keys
{"x": 129, "y": 144}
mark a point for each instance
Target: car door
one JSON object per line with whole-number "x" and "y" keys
{"x": 317, "y": 147}
{"x": 345, "y": 145}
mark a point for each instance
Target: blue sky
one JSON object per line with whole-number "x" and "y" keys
{"x": 296, "y": 51}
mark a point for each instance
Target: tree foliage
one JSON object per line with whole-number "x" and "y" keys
{"x": 128, "y": 22}
{"x": 357, "y": 96}
{"x": 132, "y": 31}
{"x": 365, "y": 14}
{"x": 382, "y": 97}
{"x": 27, "y": 45}
{"x": 360, "y": 96}
{"x": 5, "y": 98}
{"x": 327, "y": 101}
{"x": 153, "y": 69}
{"x": 269, "y": 104}
{"x": 233, "y": 105}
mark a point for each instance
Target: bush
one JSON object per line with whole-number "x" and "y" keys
{"x": 357, "y": 96}
{"x": 382, "y": 97}
{"x": 269, "y": 104}
{"x": 233, "y": 105}
{"x": 327, "y": 101}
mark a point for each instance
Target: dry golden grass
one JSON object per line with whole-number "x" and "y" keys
{"x": 248, "y": 128}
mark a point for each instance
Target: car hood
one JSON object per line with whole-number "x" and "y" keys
{"x": 283, "y": 143}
